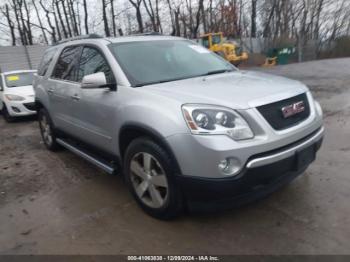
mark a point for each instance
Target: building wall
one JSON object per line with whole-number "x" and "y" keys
{"x": 20, "y": 57}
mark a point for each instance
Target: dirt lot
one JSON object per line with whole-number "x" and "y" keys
{"x": 56, "y": 203}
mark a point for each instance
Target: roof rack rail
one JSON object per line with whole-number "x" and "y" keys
{"x": 89, "y": 36}
{"x": 146, "y": 34}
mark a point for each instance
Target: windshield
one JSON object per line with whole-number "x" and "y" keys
{"x": 20, "y": 79}
{"x": 149, "y": 62}
{"x": 216, "y": 39}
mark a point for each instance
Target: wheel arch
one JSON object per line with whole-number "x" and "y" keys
{"x": 38, "y": 104}
{"x": 131, "y": 131}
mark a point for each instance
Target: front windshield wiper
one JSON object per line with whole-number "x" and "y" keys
{"x": 163, "y": 81}
{"x": 217, "y": 72}
{"x": 182, "y": 78}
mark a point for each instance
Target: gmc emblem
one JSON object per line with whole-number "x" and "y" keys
{"x": 293, "y": 109}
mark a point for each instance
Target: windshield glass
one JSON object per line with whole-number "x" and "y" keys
{"x": 216, "y": 39}
{"x": 20, "y": 79}
{"x": 149, "y": 62}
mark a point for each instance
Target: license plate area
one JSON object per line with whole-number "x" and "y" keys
{"x": 305, "y": 156}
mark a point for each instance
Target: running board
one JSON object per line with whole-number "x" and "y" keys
{"x": 99, "y": 162}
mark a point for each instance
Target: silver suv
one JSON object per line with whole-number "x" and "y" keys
{"x": 185, "y": 128}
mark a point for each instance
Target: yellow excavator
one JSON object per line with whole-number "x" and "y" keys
{"x": 231, "y": 52}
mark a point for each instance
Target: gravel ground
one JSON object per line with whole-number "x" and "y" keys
{"x": 56, "y": 203}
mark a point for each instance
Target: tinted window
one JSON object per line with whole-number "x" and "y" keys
{"x": 66, "y": 64}
{"x": 45, "y": 61}
{"x": 21, "y": 79}
{"x": 91, "y": 62}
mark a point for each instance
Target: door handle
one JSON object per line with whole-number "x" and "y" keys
{"x": 75, "y": 97}
{"x": 50, "y": 90}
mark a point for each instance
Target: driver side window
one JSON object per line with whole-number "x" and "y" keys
{"x": 92, "y": 61}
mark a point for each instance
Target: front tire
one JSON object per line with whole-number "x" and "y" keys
{"x": 47, "y": 130}
{"x": 150, "y": 174}
{"x": 8, "y": 118}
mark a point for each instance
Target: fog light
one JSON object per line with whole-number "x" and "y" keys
{"x": 229, "y": 166}
{"x": 15, "y": 109}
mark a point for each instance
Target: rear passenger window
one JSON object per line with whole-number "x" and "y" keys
{"x": 66, "y": 64}
{"x": 92, "y": 61}
{"x": 46, "y": 61}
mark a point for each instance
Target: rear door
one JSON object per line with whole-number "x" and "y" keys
{"x": 63, "y": 89}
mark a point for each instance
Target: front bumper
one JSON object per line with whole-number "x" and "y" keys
{"x": 21, "y": 108}
{"x": 252, "y": 183}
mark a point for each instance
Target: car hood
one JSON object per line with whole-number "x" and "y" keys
{"x": 26, "y": 91}
{"x": 238, "y": 90}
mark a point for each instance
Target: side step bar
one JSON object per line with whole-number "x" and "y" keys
{"x": 99, "y": 162}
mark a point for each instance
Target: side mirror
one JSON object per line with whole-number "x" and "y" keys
{"x": 96, "y": 80}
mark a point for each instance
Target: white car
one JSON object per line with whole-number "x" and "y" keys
{"x": 17, "y": 94}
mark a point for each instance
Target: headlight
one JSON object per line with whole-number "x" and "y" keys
{"x": 14, "y": 97}
{"x": 215, "y": 120}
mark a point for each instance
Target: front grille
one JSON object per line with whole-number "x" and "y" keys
{"x": 273, "y": 112}
{"x": 30, "y": 106}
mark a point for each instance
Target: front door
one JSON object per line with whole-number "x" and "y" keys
{"x": 95, "y": 110}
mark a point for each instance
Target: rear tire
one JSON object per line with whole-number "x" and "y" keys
{"x": 8, "y": 118}
{"x": 47, "y": 130}
{"x": 150, "y": 175}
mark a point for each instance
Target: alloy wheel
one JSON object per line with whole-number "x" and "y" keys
{"x": 149, "y": 180}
